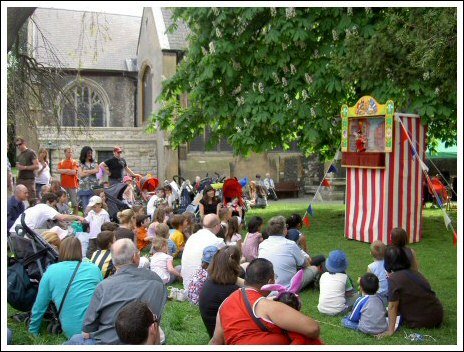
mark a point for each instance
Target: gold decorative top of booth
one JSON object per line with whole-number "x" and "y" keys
{"x": 367, "y": 132}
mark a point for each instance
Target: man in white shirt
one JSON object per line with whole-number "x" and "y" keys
{"x": 270, "y": 187}
{"x": 37, "y": 216}
{"x": 193, "y": 251}
{"x": 285, "y": 255}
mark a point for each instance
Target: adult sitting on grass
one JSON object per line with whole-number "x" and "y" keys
{"x": 127, "y": 284}
{"x": 409, "y": 294}
{"x": 53, "y": 285}
{"x": 222, "y": 278}
{"x": 137, "y": 325}
{"x": 285, "y": 255}
{"x": 238, "y": 316}
{"x": 36, "y": 217}
{"x": 399, "y": 238}
{"x": 193, "y": 251}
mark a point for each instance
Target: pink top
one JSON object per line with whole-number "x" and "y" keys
{"x": 250, "y": 247}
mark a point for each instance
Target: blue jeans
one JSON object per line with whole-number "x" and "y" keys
{"x": 78, "y": 339}
{"x": 85, "y": 196}
{"x": 347, "y": 323}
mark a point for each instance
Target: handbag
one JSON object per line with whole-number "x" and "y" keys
{"x": 55, "y": 326}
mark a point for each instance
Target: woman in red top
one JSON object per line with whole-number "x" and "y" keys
{"x": 235, "y": 324}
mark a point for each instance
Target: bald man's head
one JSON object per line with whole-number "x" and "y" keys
{"x": 124, "y": 252}
{"x": 21, "y": 192}
{"x": 211, "y": 222}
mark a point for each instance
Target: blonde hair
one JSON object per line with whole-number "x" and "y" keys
{"x": 378, "y": 249}
{"x": 159, "y": 243}
{"x": 125, "y": 216}
{"x": 52, "y": 238}
{"x": 41, "y": 150}
{"x": 162, "y": 230}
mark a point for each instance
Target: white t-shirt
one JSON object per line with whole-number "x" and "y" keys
{"x": 44, "y": 177}
{"x": 96, "y": 221}
{"x": 36, "y": 216}
{"x": 193, "y": 252}
{"x": 159, "y": 265}
{"x": 332, "y": 293}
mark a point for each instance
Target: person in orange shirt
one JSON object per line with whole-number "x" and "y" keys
{"x": 69, "y": 179}
{"x": 141, "y": 231}
{"x": 179, "y": 222}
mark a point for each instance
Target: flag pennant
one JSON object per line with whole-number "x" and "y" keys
{"x": 319, "y": 196}
{"x": 455, "y": 239}
{"x": 306, "y": 221}
{"x": 404, "y": 136}
{"x": 310, "y": 210}
{"x": 447, "y": 220}
{"x": 423, "y": 166}
{"x": 439, "y": 201}
{"x": 414, "y": 152}
{"x": 326, "y": 183}
{"x": 332, "y": 169}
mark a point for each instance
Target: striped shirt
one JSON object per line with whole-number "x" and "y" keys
{"x": 102, "y": 258}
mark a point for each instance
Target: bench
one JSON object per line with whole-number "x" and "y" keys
{"x": 287, "y": 187}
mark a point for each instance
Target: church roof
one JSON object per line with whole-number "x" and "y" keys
{"x": 71, "y": 39}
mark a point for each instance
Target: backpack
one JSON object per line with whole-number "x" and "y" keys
{"x": 21, "y": 292}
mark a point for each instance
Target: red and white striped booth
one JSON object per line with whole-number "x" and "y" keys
{"x": 384, "y": 176}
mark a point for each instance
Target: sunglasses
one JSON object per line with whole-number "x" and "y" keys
{"x": 18, "y": 144}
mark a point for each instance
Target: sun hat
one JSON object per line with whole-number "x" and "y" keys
{"x": 95, "y": 200}
{"x": 208, "y": 254}
{"x": 337, "y": 262}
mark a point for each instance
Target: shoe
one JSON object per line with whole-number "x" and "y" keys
{"x": 181, "y": 295}
{"x": 172, "y": 292}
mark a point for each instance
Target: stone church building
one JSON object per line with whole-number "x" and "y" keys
{"x": 112, "y": 68}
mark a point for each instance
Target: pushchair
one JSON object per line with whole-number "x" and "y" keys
{"x": 146, "y": 186}
{"x": 31, "y": 255}
{"x": 114, "y": 200}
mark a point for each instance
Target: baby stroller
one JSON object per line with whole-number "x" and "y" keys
{"x": 31, "y": 257}
{"x": 146, "y": 186}
{"x": 114, "y": 200}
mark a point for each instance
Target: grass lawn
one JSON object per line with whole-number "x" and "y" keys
{"x": 437, "y": 259}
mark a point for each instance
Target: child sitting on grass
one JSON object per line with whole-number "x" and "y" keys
{"x": 377, "y": 268}
{"x": 337, "y": 293}
{"x": 162, "y": 230}
{"x": 289, "y": 296}
{"x": 253, "y": 238}
{"x": 141, "y": 226}
{"x": 102, "y": 257}
{"x": 161, "y": 262}
{"x": 200, "y": 275}
{"x": 179, "y": 222}
{"x": 368, "y": 315}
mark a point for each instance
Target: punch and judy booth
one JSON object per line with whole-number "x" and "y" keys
{"x": 382, "y": 152}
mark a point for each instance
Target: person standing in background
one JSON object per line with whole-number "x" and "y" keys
{"x": 43, "y": 176}
{"x": 26, "y": 164}
{"x": 115, "y": 166}
{"x": 9, "y": 175}
{"x": 87, "y": 171}
{"x": 69, "y": 180}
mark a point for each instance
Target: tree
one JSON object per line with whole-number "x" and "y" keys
{"x": 266, "y": 77}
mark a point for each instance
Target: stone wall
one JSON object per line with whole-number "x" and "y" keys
{"x": 139, "y": 147}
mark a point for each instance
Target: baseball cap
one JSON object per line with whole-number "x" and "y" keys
{"x": 117, "y": 149}
{"x": 208, "y": 254}
{"x": 95, "y": 200}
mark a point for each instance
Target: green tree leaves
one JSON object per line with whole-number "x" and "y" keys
{"x": 265, "y": 78}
